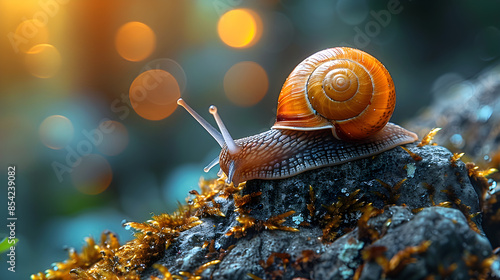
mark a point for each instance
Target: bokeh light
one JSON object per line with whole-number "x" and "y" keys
{"x": 172, "y": 67}
{"x": 29, "y": 33}
{"x": 114, "y": 139}
{"x": 135, "y": 41}
{"x": 43, "y": 60}
{"x": 246, "y": 83}
{"x": 154, "y": 93}
{"x": 56, "y": 132}
{"x": 92, "y": 175}
{"x": 446, "y": 88}
{"x": 240, "y": 28}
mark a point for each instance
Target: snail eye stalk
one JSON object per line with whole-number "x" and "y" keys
{"x": 208, "y": 127}
{"x": 223, "y": 138}
{"x": 232, "y": 147}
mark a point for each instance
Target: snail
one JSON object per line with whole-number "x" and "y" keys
{"x": 334, "y": 108}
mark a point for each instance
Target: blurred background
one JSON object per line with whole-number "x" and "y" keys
{"x": 88, "y": 90}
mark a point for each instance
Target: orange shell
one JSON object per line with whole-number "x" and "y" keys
{"x": 344, "y": 89}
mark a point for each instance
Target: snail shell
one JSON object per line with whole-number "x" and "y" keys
{"x": 344, "y": 89}
{"x": 333, "y": 108}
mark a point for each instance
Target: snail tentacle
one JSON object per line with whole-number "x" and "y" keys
{"x": 224, "y": 139}
{"x": 228, "y": 140}
{"x": 213, "y": 163}
{"x": 208, "y": 127}
{"x": 230, "y": 173}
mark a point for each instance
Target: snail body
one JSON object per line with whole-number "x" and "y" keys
{"x": 333, "y": 108}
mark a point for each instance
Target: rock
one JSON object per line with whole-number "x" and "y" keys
{"x": 447, "y": 230}
{"x": 397, "y": 215}
{"x": 391, "y": 178}
{"x": 468, "y": 111}
{"x": 452, "y": 243}
{"x": 375, "y": 178}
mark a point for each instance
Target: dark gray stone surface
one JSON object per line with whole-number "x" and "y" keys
{"x": 468, "y": 111}
{"x": 451, "y": 238}
{"x": 448, "y": 230}
{"x": 329, "y": 183}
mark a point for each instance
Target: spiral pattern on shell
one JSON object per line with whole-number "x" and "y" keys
{"x": 344, "y": 89}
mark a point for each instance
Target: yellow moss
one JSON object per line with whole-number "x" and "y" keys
{"x": 274, "y": 222}
{"x": 248, "y": 222}
{"x": 453, "y": 198}
{"x": 479, "y": 269}
{"x": 336, "y": 213}
{"x": 455, "y": 157}
{"x": 365, "y": 231}
{"x": 412, "y": 154}
{"x": 429, "y": 137}
{"x": 310, "y": 206}
{"x": 183, "y": 275}
{"x": 240, "y": 201}
{"x": 393, "y": 191}
{"x": 398, "y": 262}
{"x": 110, "y": 260}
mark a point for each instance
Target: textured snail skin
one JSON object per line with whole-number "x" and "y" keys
{"x": 280, "y": 153}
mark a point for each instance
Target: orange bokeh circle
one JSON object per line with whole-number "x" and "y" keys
{"x": 154, "y": 93}
{"x": 240, "y": 28}
{"x": 43, "y": 60}
{"x": 135, "y": 41}
{"x": 246, "y": 83}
